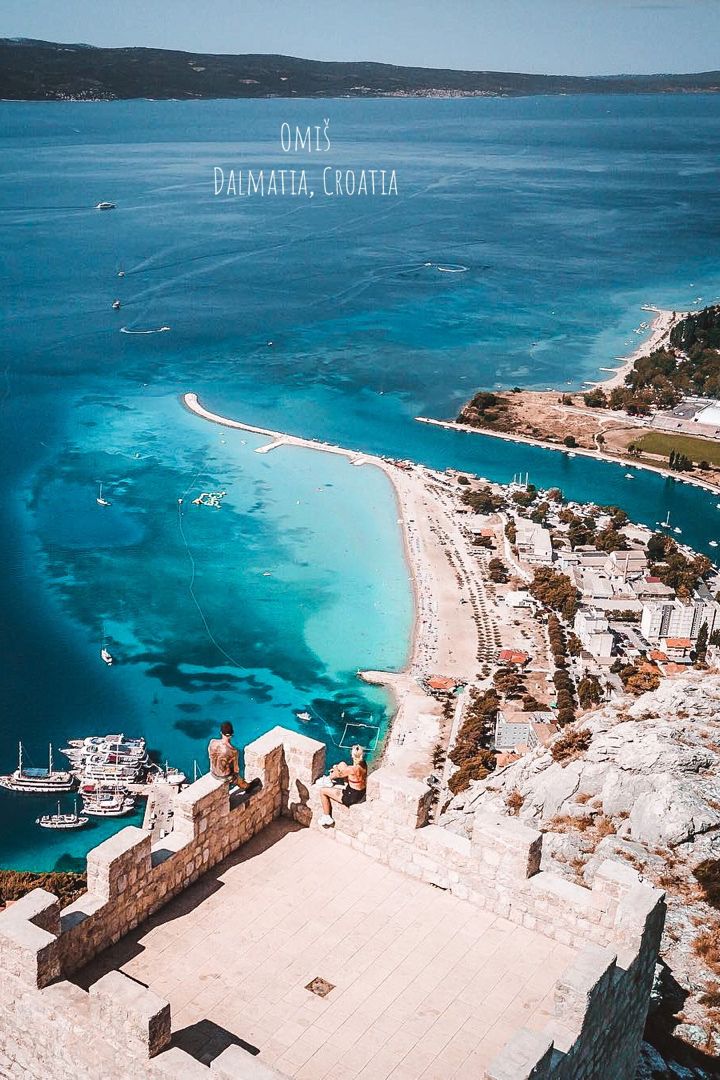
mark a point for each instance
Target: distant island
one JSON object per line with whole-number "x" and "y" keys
{"x": 32, "y": 70}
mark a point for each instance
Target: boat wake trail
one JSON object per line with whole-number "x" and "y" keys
{"x": 191, "y": 584}
{"x": 157, "y": 330}
{"x": 452, "y": 268}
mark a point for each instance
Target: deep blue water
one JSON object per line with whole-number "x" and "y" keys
{"x": 568, "y": 214}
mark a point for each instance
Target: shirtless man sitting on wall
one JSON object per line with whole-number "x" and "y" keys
{"x": 224, "y": 759}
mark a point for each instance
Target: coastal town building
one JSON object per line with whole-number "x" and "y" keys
{"x": 652, "y": 588}
{"x": 626, "y": 565}
{"x": 593, "y": 629}
{"x": 517, "y": 732}
{"x": 534, "y": 543}
{"x": 678, "y": 619}
{"x": 519, "y": 599}
{"x": 515, "y": 657}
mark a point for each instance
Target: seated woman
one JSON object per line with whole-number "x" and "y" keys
{"x": 352, "y": 791}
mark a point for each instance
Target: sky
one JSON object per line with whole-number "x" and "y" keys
{"x": 574, "y": 37}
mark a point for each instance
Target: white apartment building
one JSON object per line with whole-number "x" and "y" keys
{"x": 593, "y": 629}
{"x": 534, "y": 544}
{"x": 678, "y": 619}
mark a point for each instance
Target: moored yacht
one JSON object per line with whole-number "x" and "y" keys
{"x": 108, "y": 804}
{"x": 37, "y": 781}
{"x": 62, "y": 821}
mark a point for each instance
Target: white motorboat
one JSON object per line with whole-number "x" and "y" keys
{"x": 117, "y": 756}
{"x": 116, "y": 305}
{"x": 130, "y": 751}
{"x": 108, "y": 805}
{"x": 62, "y": 821}
{"x": 167, "y": 775}
{"x": 116, "y": 774}
{"x": 37, "y": 781}
{"x": 100, "y": 741}
{"x": 105, "y": 206}
{"x": 106, "y": 656}
{"x": 713, "y": 543}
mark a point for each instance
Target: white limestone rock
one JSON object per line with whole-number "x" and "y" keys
{"x": 645, "y": 792}
{"x": 671, "y": 813}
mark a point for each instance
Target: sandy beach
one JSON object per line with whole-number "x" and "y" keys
{"x": 660, "y": 329}
{"x": 452, "y": 625}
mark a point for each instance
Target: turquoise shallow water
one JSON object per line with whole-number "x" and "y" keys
{"x": 567, "y": 214}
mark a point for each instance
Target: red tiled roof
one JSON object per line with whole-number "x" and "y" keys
{"x": 440, "y": 682}
{"x": 513, "y": 656}
{"x": 678, "y": 643}
{"x": 657, "y": 654}
{"x": 544, "y": 732}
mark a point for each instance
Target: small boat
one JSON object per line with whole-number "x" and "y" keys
{"x": 106, "y": 656}
{"x": 62, "y": 821}
{"x": 713, "y": 543}
{"x": 116, "y": 305}
{"x": 40, "y": 781}
{"x": 304, "y": 716}
{"x": 677, "y": 530}
{"x": 629, "y": 476}
{"x": 100, "y": 500}
{"x": 110, "y": 805}
{"x": 121, "y": 273}
{"x": 167, "y": 775}
{"x": 666, "y": 523}
{"x": 105, "y": 206}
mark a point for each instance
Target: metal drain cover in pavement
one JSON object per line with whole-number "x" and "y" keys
{"x": 319, "y": 986}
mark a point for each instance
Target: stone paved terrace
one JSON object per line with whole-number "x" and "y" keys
{"x": 425, "y": 985}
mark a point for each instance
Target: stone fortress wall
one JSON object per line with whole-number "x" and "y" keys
{"x": 50, "y": 1027}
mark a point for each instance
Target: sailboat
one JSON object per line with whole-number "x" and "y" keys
{"x": 666, "y": 523}
{"x": 40, "y": 781}
{"x": 100, "y": 501}
{"x": 62, "y": 821}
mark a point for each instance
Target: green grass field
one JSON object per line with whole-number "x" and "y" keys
{"x": 657, "y": 442}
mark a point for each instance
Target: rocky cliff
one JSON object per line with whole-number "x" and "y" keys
{"x": 638, "y": 781}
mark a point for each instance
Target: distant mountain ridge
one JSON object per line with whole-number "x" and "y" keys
{"x": 33, "y": 70}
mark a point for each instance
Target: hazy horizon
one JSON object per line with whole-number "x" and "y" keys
{"x": 554, "y": 37}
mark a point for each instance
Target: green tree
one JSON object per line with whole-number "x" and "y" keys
{"x": 589, "y": 691}
{"x": 701, "y": 644}
{"x": 596, "y": 398}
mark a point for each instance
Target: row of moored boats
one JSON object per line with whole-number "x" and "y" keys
{"x": 103, "y": 769}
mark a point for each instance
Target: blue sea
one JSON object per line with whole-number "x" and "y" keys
{"x": 525, "y": 236}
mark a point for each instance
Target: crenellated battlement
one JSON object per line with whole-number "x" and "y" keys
{"x": 599, "y": 1003}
